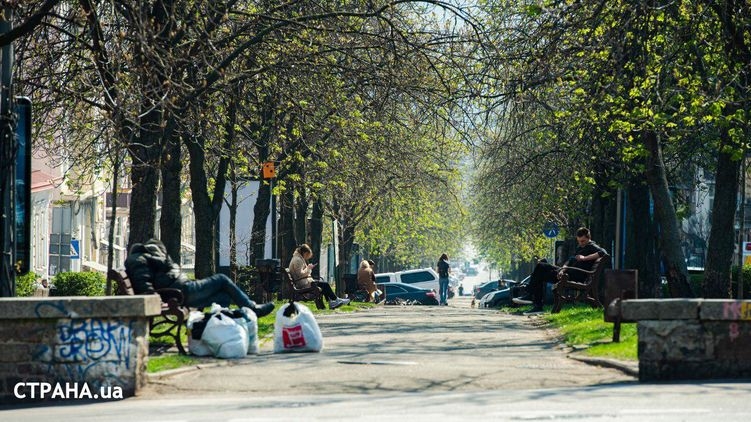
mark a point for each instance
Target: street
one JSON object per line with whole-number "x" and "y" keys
{"x": 421, "y": 363}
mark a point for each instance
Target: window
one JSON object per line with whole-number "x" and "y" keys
{"x": 382, "y": 279}
{"x": 396, "y": 289}
{"x": 60, "y": 240}
{"x": 417, "y": 277}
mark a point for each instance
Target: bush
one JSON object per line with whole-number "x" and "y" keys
{"x": 26, "y": 284}
{"x": 746, "y": 281}
{"x": 78, "y": 284}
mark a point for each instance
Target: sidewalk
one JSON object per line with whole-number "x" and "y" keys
{"x": 403, "y": 349}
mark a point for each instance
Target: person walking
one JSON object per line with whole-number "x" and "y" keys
{"x": 443, "y": 279}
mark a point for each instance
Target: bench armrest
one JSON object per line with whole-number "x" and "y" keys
{"x": 168, "y": 294}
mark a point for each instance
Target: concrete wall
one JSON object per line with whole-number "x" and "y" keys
{"x": 692, "y": 338}
{"x": 73, "y": 344}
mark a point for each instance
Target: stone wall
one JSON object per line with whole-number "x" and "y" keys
{"x": 73, "y": 345}
{"x": 684, "y": 339}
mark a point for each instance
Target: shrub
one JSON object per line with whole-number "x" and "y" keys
{"x": 746, "y": 281}
{"x": 26, "y": 284}
{"x": 78, "y": 284}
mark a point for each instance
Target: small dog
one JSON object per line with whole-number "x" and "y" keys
{"x": 472, "y": 305}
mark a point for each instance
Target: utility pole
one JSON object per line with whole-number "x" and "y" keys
{"x": 8, "y": 149}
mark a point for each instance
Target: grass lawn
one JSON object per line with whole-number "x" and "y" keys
{"x": 584, "y": 326}
{"x": 162, "y": 356}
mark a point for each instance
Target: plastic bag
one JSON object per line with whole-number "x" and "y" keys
{"x": 225, "y": 337}
{"x": 250, "y": 322}
{"x": 296, "y": 330}
{"x": 196, "y": 324}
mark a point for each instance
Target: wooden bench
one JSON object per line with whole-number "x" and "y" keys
{"x": 567, "y": 291}
{"x": 307, "y": 294}
{"x": 174, "y": 313}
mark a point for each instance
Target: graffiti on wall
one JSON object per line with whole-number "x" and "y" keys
{"x": 100, "y": 351}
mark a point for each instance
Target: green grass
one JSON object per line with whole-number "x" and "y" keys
{"x": 584, "y": 326}
{"x": 161, "y": 361}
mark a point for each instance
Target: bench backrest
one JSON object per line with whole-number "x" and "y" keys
{"x": 288, "y": 277}
{"x": 124, "y": 288}
{"x": 600, "y": 265}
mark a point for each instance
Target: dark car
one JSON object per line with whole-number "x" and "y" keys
{"x": 401, "y": 293}
{"x": 485, "y": 288}
{"x": 520, "y": 289}
{"x": 496, "y": 298}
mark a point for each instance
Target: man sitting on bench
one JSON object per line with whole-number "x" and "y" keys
{"x": 149, "y": 267}
{"x": 300, "y": 270}
{"x": 586, "y": 254}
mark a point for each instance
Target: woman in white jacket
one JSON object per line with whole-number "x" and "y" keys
{"x": 300, "y": 271}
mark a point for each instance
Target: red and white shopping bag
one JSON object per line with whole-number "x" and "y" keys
{"x": 296, "y": 330}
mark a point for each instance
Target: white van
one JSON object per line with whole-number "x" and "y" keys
{"x": 425, "y": 278}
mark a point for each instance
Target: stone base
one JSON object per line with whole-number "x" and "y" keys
{"x": 692, "y": 339}
{"x": 74, "y": 347}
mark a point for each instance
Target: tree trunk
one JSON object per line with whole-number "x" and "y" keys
{"x": 232, "y": 208}
{"x": 301, "y": 218}
{"x": 205, "y": 225}
{"x": 603, "y": 221}
{"x": 260, "y": 217}
{"x": 641, "y": 250}
{"x": 145, "y": 179}
{"x": 346, "y": 239}
{"x": 286, "y": 232}
{"x": 670, "y": 245}
{"x": 316, "y": 233}
{"x": 722, "y": 233}
{"x": 170, "y": 222}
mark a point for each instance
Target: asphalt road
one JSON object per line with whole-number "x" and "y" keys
{"x": 416, "y": 363}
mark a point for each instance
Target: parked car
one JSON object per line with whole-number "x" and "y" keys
{"x": 496, "y": 298}
{"x": 425, "y": 278}
{"x": 485, "y": 288}
{"x": 402, "y": 293}
{"x": 520, "y": 289}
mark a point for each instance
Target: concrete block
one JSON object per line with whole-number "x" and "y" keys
{"x": 725, "y": 310}
{"x": 100, "y": 343}
{"x": 660, "y": 309}
{"x": 672, "y": 341}
{"x": 79, "y": 307}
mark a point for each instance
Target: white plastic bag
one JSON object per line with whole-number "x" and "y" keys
{"x": 225, "y": 337}
{"x": 298, "y": 332}
{"x": 196, "y": 346}
{"x": 250, "y": 322}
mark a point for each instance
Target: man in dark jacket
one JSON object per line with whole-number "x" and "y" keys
{"x": 586, "y": 254}
{"x": 149, "y": 267}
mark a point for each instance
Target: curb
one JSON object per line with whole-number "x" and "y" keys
{"x": 155, "y": 376}
{"x": 627, "y": 368}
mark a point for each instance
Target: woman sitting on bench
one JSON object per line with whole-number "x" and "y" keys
{"x": 300, "y": 271}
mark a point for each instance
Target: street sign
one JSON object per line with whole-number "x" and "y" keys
{"x": 550, "y": 229}
{"x": 75, "y": 251}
